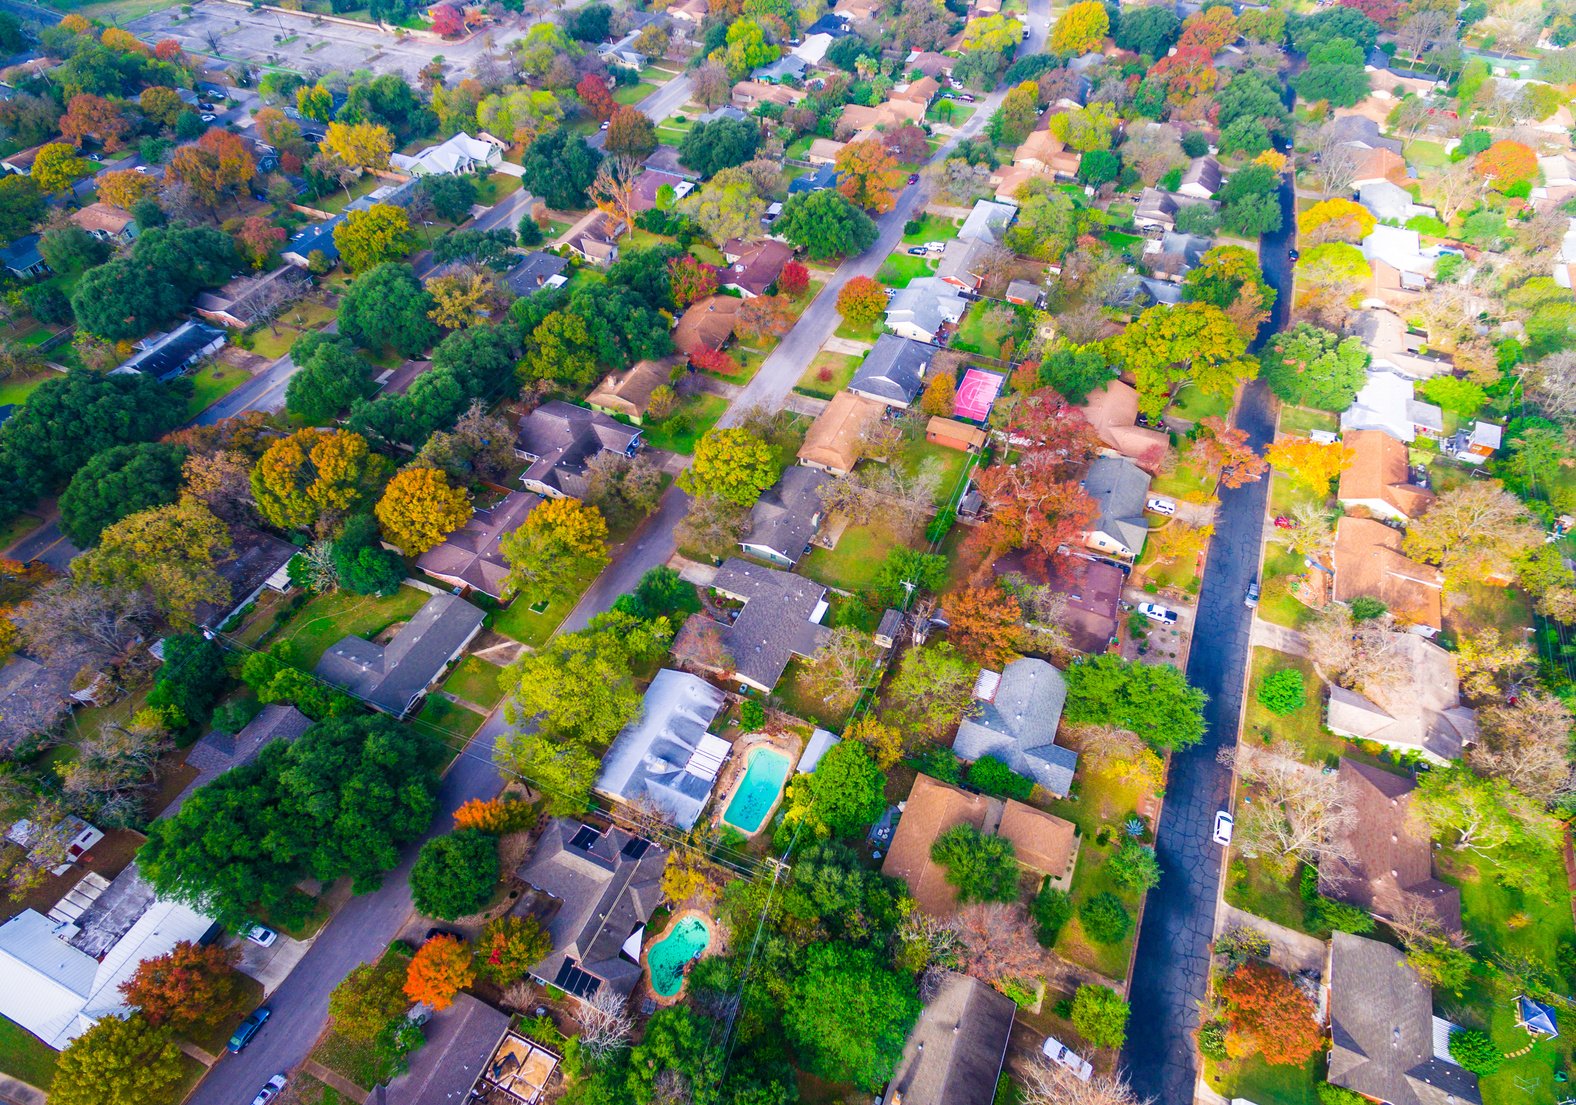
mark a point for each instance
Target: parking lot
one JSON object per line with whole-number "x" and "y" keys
{"x": 297, "y": 42}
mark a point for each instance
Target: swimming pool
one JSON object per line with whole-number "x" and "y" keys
{"x": 669, "y": 956}
{"x": 757, "y": 792}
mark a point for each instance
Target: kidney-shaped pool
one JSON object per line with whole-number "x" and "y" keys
{"x": 668, "y": 957}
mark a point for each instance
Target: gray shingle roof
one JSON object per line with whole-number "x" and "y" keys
{"x": 1119, "y": 488}
{"x": 776, "y": 622}
{"x": 218, "y": 752}
{"x": 471, "y": 554}
{"x": 607, "y": 894}
{"x": 563, "y": 437}
{"x": 786, "y": 516}
{"x": 1018, "y": 725}
{"x": 894, "y": 371}
{"x": 955, "y": 1052}
{"x": 393, "y": 676}
{"x": 533, "y": 272}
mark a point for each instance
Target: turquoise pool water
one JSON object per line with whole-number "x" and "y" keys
{"x": 668, "y": 957}
{"x": 757, "y": 792}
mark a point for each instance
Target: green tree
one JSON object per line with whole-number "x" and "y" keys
{"x": 826, "y": 225}
{"x": 380, "y": 234}
{"x": 559, "y": 167}
{"x": 661, "y": 593}
{"x": 451, "y": 195}
{"x": 387, "y": 306}
{"x": 1105, "y": 919}
{"x": 70, "y": 249}
{"x": 1076, "y": 371}
{"x": 983, "y": 868}
{"x": 1050, "y": 910}
{"x": 1250, "y": 201}
{"x": 1283, "y": 693}
{"x": 730, "y": 464}
{"x": 1460, "y": 397}
{"x": 366, "y": 1001}
{"x": 848, "y": 1015}
{"x": 1134, "y": 866}
{"x": 1169, "y": 345}
{"x": 558, "y": 543}
{"x": 1314, "y": 367}
{"x": 455, "y": 875}
{"x": 121, "y": 480}
{"x": 708, "y": 148}
{"x": 1149, "y": 31}
{"x": 329, "y": 377}
{"x": 907, "y": 572}
{"x": 843, "y": 796}
{"x": 1475, "y": 1051}
{"x": 190, "y": 681}
{"x": 1100, "y": 1015}
{"x": 1152, "y": 700}
{"x": 119, "y": 1061}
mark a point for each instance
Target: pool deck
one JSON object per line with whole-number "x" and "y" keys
{"x": 732, "y": 775}
{"x": 714, "y": 946}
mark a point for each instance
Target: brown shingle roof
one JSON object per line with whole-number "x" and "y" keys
{"x": 102, "y": 217}
{"x": 933, "y": 807}
{"x": 1043, "y": 841}
{"x": 629, "y": 392}
{"x": 1379, "y": 473}
{"x": 1113, "y": 414}
{"x": 834, "y": 437}
{"x": 1368, "y": 561}
{"x": 708, "y": 324}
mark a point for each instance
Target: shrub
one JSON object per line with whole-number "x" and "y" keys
{"x": 939, "y": 763}
{"x": 752, "y": 715}
{"x": 1475, "y": 1052}
{"x": 1100, "y": 1016}
{"x": 495, "y": 815}
{"x": 508, "y": 946}
{"x": 455, "y": 875}
{"x": 992, "y": 776}
{"x": 1326, "y": 913}
{"x": 1339, "y": 1095}
{"x": 983, "y": 868}
{"x": 1105, "y": 919}
{"x": 1283, "y": 692}
{"x": 1051, "y": 909}
{"x": 1212, "y": 1041}
{"x": 1134, "y": 866}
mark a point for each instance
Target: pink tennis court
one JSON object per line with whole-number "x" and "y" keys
{"x": 976, "y": 394}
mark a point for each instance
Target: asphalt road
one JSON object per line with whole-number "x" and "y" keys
{"x": 505, "y": 214}
{"x": 48, "y": 544}
{"x": 1171, "y": 975}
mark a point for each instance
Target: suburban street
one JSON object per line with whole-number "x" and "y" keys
{"x": 1171, "y": 974}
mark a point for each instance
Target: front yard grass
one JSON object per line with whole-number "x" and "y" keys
{"x": 1283, "y": 570}
{"x": 827, "y": 375}
{"x": 475, "y": 680}
{"x": 1303, "y": 727}
{"x": 633, "y": 93}
{"x": 852, "y": 566}
{"x": 533, "y": 627}
{"x": 1088, "y": 811}
{"x": 24, "y": 1056}
{"x": 211, "y": 383}
{"x": 326, "y": 619}
{"x": 932, "y": 228}
{"x": 1287, "y": 493}
{"x": 1185, "y": 483}
{"x": 680, "y": 430}
{"x": 900, "y": 270}
{"x": 350, "y": 1059}
{"x": 952, "y": 113}
{"x": 1252, "y": 1079}
{"x": 1302, "y": 421}
{"x": 213, "y": 1035}
{"x": 496, "y": 187}
{"x": 440, "y": 713}
{"x": 1195, "y": 405}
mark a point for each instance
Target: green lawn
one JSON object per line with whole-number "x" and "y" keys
{"x": 796, "y": 699}
{"x": 868, "y": 334}
{"x": 475, "y": 680}
{"x": 1261, "y": 888}
{"x": 853, "y": 564}
{"x": 16, "y": 392}
{"x": 920, "y": 456}
{"x": 1473, "y": 607}
{"x": 952, "y": 113}
{"x": 827, "y": 375}
{"x": 1301, "y": 421}
{"x": 1194, "y": 405}
{"x": 1425, "y": 154}
{"x": 211, "y": 383}
{"x": 679, "y": 431}
{"x": 1185, "y": 483}
{"x": 1255, "y": 1080}
{"x": 459, "y": 721}
{"x": 327, "y": 618}
{"x": 634, "y": 93}
{"x": 533, "y": 627}
{"x": 932, "y": 228}
{"x": 496, "y": 187}
{"x": 977, "y": 335}
{"x": 23, "y": 1055}
{"x": 337, "y": 200}
{"x": 1304, "y": 727}
{"x": 795, "y": 150}
{"x": 900, "y": 269}
{"x": 1098, "y": 804}
{"x": 1278, "y": 604}
{"x": 1287, "y": 494}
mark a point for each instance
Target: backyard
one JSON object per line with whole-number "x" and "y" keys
{"x": 23, "y": 1055}
{"x": 920, "y": 456}
{"x": 860, "y": 551}
{"x": 987, "y": 326}
{"x": 325, "y": 619}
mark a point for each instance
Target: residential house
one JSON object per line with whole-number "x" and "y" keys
{"x": 1421, "y": 713}
{"x": 1093, "y": 589}
{"x": 20, "y": 162}
{"x": 1558, "y": 172}
{"x": 955, "y": 1052}
{"x": 471, "y": 558}
{"x": 1385, "y": 1042}
{"x": 1157, "y": 210}
{"x": 820, "y": 178}
{"x": 1379, "y": 477}
{"x": 1015, "y": 717}
{"x": 820, "y": 743}
{"x": 1176, "y": 254}
{"x": 690, "y": 12}
{"x": 628, "y": 393}
{"x": 61, "y": 974}
{"x": 952, "y": 434}
{"x": 1395, "y": 347}
{"x": 920, "y": 92}
{"x": 217, "y": 752}
{"x": 313, "y": 238}
{"x": 1368, "y": 561}
{"x": 1044, "y": 154}
{"x": 58, "y": 847}
{"x": 606, "y": 884}
{"x": 1475, "y": 445}
{"x": 559, "y": 439}
{"x": 1377, "y": 165}
{"x": 1400, "y": 268}
{"x": 707, "y": 324}
{"x": 963, "y": 261}
{"x": 780, "y": 620}
{"x": 650, "y": 182}
{"x": 1153, "y": 289}
{"x": 106, "y": 223}
{"x": 538, "y": 270}
{"x": 933, "y": 807}
{"x": 857, "y": 11}
{"x": 753, "y": 267}
{"x": 929, "y": 62}
{"x": 252, "y": 298}
{"x": 786, "y": 516}
{"x": 1202, "y": 179}
{"x": 395, "y": 676}
{"x": 458, "y": 1042}
{"x": 812, "y": 51}
{"x": 748, "y": 94}
{"x": 1390, "y": 865}
{"x": 894, "y": 370}
{"x": 255, "y": 560}
{"x": 830, "y": 24}
{"x": 1390, "y": 203}
{"x": 922, "y": 310}
{"x": 1362, "y": 132}
{"x": 597, "y": 240}
{"x": 622, "y": 53}
{"x": 1119, "y": 489}
{"x": 789, "y": 67}
{"x": 22, "y": 259}
{"x": 1385, "y": 403}
{"x": 167, "y": 355}
{"x": 823, "y": 151}
{"x": 726, "y": 111}
{"x": 666, "y": 757}
{"x": 1112, "y": 412}
{"x": 835, "y": 440}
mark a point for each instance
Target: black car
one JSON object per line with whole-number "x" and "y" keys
{"x": 248, "y": 1029}
{"x": 1292, "y": 254}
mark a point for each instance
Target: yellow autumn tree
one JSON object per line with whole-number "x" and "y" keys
{"x": 360, "y": 145}
{"x": 124, "y": 187}
{"x": 1309, "y": 463}
{"x": 168, "y": 552}
{"x": 1336, "y": 220}
{"x": 558, "y": 541}
{"x": 420, "y": 508}
{"x": 884, "y": 742}
{"x": 458, "y": 301}
{"x": 368, "y": 238}
{"x": 315, "y": 474}
{"x": 1081, "y": 29}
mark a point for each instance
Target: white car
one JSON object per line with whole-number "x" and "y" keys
{"x": 270, "y": 1091}
{"x": 1157, "y": 613}
{"x": 262, "y": 936}
{"x": 1223, "y": 823}
{"x": 1161, "y": 506}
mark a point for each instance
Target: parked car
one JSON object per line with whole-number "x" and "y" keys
{"x": 913, "y": 178}
{"x": 1283, "y": 522}
{"x": 262, "y": 936}
{"x": 207, "y": 117}
{"x": 1157, "y": 613}
{"x": 1292, "y": 254}
{"x": 275, "y": 1085}
{"x": 1223, "y": 825}
{"x": 1161, "y": 505}
{"x": 918, "y": 251}
{"x": 1252, "y": 598}
{"x": 248, "y": 1029}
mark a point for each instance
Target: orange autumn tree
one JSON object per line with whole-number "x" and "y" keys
{"x": 90, "y": 116}
{"x": 441, "y": 968}
{"x": 1309, "y": 463}
{"x": 869, "y": 176}
{"x": 1224, "y": 451}
{"x": 862, "y": 300}
{"x": 941, "y": 395}
{"x": 189, "y": 984}
{"x": 495, "y": 815}
{"x": 1507, "y": 163}
{"x": 984, "y": 623}
{"x": 1267, "y": 1014}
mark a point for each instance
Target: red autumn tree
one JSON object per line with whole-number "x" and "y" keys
{"x": 593, "y": 93}
{"x": 690, "y": 279}
{"x": 1267, "y": 1014}
{"x": 984, "y": 623}
{"x": 257, "y": 238}
{"x": 441, "y": 968}
{"x": 868, "y": 175}
{"x": 447, "y": 20}
{"x": 794, "y": 280}
{"x": 1187, "y": 71}
{"x": 167, "y": 49}
{"x": 188, "y": 984}
{"x": 94, "y": 116}
{"x": 862, "y": 300}
{"x": 1507, "y": 163}
{"x": 908, "y": 144}
{"x": 1224, "y": 451}
{"x": 765, "y": 316}
{"x": 707, "y": 359}
{"x": 1211, "y": 30}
